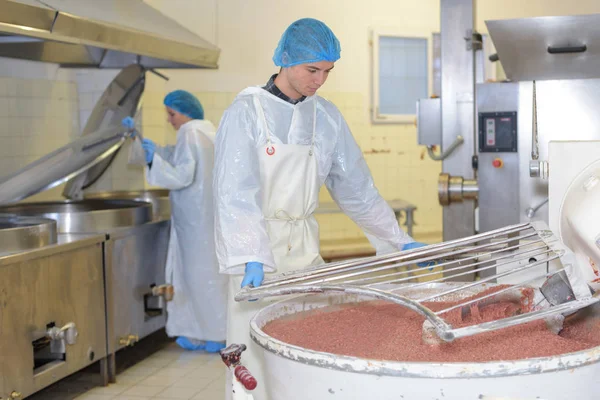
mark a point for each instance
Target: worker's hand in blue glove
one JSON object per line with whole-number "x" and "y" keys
{"x": 254, "y": 274}
{"x": 149, "y": 148}
{"x": 416, "y": 245}
{"x": 128, "y": 123}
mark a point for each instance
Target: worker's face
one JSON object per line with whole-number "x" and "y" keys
{"x": 306, "y": 79}
{"x": 176, "y": 119}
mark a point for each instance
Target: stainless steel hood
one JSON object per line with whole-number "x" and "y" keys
{"x": 99, "y": 34}
{"x": 544, "y": 48}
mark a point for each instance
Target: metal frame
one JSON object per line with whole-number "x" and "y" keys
{"x": 458, "y": 108}
{"x": 508, "y": 252}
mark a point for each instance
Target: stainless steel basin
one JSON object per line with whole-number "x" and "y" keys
{"x": 25, "y": 233}
{"x": 86, "y": 215}
{"x": 159, "y": 198}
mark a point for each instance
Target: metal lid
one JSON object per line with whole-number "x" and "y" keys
{"x": 120, "y": 99}
{"x": 544, "y": 48}
{"x": 85, "y": 159}
{"x": 60, "y": 165}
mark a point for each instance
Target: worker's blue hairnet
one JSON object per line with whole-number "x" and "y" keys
{"x": 306, "y": 41}
{"x": 185, "y": 103}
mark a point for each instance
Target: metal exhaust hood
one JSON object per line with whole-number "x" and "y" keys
{"x": 99, "y": 34}
{"x": 544, "y": 48}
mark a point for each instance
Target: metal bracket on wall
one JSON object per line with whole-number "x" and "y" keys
{"x": 457, "y": 142}
{"x": 474, "y": 40}
{"x": 537, "y": 168}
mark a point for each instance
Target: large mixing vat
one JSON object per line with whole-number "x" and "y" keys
{"x": 159, "y": 198}
{"x": 86, "y": 216}
{"x": 294, "y": 372}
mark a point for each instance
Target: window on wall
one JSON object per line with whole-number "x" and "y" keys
{"x": 400, "y": 76}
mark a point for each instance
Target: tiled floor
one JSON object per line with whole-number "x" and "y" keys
{"x": 171, "y": 373}
{"x": 155, "y": 368}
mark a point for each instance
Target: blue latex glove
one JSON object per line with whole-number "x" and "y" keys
{"x": 149, "y": 148}
{"x": 128, "y": 123}
{"x": 254, "y": 274}
{"x": 416, "y": 245}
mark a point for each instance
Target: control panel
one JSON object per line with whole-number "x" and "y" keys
{"x": 498, "y": 132}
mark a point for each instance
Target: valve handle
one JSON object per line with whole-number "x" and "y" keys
{"x": 245, "y": 377}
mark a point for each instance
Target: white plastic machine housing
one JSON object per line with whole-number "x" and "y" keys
{"x": 574, "y": 202}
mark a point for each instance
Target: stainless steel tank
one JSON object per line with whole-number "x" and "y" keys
{"x": 159, "y": 198}
{"x": 86, "y": 215}
{"x": 25, "y": 233}
{"x": 295, "y": 373}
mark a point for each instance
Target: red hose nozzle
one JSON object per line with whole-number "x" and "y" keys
{"x": 245, "y": 377}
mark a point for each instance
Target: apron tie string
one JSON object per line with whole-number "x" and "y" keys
{"x": 283, "y": 215}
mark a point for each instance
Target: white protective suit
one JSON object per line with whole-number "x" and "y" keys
{"x": 198, "y": 309}
{"x": 253, "y": 224}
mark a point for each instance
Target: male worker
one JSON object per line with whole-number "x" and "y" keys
{"x": 276, "y": 146}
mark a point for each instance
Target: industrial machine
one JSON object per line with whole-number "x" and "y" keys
{"x": 494, "y": 137}
{"x": 135, "y": 237}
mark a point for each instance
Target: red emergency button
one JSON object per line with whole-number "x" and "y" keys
{"x": 498, "y": 163}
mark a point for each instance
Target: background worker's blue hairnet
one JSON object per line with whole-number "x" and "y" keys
{"x": 306, "y": 41}
{"x": 185, "y": 103}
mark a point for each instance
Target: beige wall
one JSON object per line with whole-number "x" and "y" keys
{"x": 38, "y": 114}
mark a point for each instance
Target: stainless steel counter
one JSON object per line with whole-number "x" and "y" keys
{"x": 53, "y": 314}
{"x": 134, "y": 253}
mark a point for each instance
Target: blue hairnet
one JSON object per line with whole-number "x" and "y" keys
{"x": 306, "y": 41}
{"x": 185, "y": 103}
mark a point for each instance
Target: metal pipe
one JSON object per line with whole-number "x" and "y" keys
{"x": 444, "y": 154}
{"x": 530, "y": 212}
{"x": 455, "y": 189}
{"x": 376, "y": 260}
{"x": 461, "y": 267}
{"x": 451, "y": 262}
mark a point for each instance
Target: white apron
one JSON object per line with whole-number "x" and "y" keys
{"x": 290, "y": 194}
